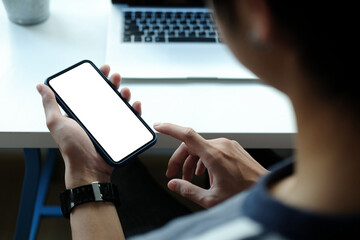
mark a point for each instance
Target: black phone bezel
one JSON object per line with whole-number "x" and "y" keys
{"x": 97, "y": 145}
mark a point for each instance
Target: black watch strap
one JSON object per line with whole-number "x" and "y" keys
{"x": 104, "y": 192}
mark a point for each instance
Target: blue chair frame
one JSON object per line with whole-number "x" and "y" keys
{"x": 34, "y": 191}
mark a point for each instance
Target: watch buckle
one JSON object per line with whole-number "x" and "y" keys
{"x": 96, "y": 189}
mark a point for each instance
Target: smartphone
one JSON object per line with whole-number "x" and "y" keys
{"x": 115, "y": 128}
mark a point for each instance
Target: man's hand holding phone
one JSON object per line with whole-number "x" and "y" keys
{"x": 83, "y": 164}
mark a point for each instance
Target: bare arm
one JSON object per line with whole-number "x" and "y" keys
{"x": 83, "y": 165}
{"x": 96, "y": 220}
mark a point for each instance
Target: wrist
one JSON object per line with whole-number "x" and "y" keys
{"x": 79, "y": 172}
{"x": 77, "y": 179}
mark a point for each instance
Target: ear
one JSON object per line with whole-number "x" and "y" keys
{"x": 259, "y": 23}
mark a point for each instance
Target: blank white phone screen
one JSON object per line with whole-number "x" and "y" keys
{"x": 103, "y": 113}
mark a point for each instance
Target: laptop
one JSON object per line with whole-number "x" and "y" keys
{"x": 168, "y": 39}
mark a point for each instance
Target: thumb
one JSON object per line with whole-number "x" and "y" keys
{"x": 189, "y": 191}
{"x": 51, "y": 108}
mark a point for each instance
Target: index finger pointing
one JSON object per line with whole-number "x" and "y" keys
{"x": 191, "y": 138}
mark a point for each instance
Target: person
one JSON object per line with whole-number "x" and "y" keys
{"x": 301, "y": 48}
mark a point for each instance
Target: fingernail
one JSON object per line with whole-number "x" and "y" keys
{"x": 172, "y": 185}
{"x": 156, "y": 124}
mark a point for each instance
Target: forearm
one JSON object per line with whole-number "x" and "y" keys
{"x": 95, "y": 220}
{"x": 83, "y": 166}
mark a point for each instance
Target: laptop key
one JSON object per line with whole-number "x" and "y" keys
{"x": 127, "y": 39}
{"x": 148, "y": 39}
{"x": 131, "y": 27}
{"x": 192, "y": 34}
{"x": 158, "y": 14}
{"x": 137, "y": 39}
{"x": 202, "y": 34}
{"x": 159, "y": 39}
{"x": 191, "y": 39}
{"x": 128, "y": 15}
{"x": 207, "y": 27}
{"x": 127, "y": 33}
{"x": 129, "y": 21}
{"x": 137, "y": 33}
{"x": 146, "y": 26}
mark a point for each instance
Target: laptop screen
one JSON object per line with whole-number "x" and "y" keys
{"x": 163, "y": 3}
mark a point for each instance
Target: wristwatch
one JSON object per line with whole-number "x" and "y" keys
{"x": 94, "y": 192}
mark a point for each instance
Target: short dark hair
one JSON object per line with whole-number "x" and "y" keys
{"x": 324, "y": 33}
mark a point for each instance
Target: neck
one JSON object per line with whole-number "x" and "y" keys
{"x": 326, "y": 176}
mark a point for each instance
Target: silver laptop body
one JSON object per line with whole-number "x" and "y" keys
{"x": 168, "y": 41}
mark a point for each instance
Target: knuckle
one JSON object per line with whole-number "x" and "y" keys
{"x": 189, "y": 133}
{"x": 209, "y": 202}
{"x": 236, "y": 145}
{"x": 47, "y": 97}
{"x": 51, "y": 122}
{"x": 223, "y": 143}
{"x": 220, "y": 151}
{"x": 224, "y": 147}
{"x": 186, "y": 192}
{"x": 226, "y": 142}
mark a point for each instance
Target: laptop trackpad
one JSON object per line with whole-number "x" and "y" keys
{"x": 202, "y": 60}
{"x": 179, "y": 61}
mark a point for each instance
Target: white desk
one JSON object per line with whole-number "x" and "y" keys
{"x": 255, "y": 115}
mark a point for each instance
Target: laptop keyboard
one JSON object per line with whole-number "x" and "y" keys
{"x": 170, "y": 26}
